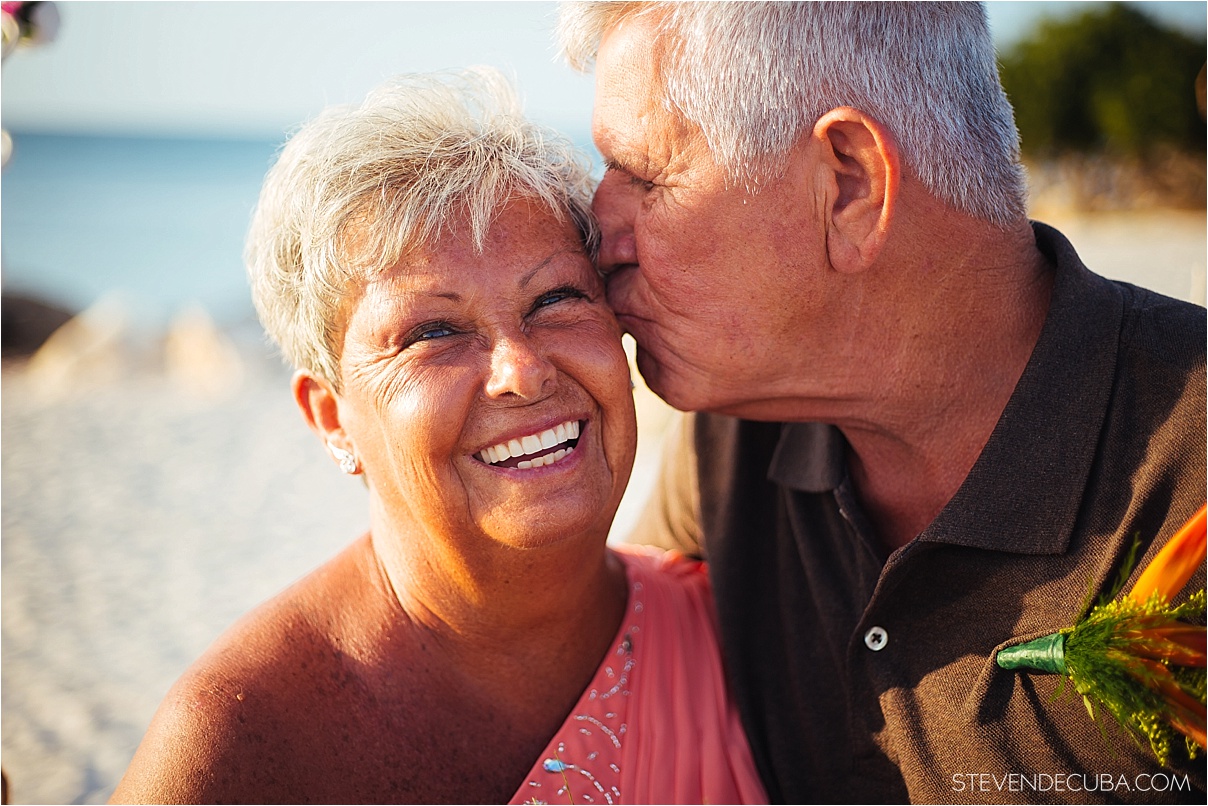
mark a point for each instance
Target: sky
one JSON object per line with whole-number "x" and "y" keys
{"x": 256, "y": 69}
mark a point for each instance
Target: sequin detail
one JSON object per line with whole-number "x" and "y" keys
{"x": 590, "y": 765}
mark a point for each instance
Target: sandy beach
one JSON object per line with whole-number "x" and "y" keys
{"x": 142, "y": 516}
{"x": 138, "y": 523}
{"x": 140, "y": 519}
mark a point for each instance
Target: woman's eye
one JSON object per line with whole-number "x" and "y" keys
{"x": 429, "y": 332}
{"x": 558, "y": 295}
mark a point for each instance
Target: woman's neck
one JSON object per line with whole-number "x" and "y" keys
{"x": 533, "y": 622}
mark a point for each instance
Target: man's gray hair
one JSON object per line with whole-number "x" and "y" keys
{"x": 756, "y": 77}
{"x": 359, "y": 188}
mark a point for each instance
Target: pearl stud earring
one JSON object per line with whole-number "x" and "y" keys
{"x": 348, "y": 462}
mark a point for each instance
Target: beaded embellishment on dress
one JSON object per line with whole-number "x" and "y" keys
{"x": 583, "y": 764}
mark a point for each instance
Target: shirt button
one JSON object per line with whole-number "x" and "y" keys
{"x": 876, "y": 638}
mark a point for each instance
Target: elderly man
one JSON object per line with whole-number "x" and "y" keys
{"x": 924, "y": 428}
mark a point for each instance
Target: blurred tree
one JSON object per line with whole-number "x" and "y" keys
{"x": 1109, "y": 81}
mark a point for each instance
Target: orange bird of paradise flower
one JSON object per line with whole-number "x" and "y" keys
{"x": 1135, "y": 657}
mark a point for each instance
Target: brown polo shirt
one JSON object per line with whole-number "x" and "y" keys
{"x": 864, "y": 676}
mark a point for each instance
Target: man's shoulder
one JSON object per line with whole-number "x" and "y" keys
{"x": 1172, "y": 331}
{"x": 1159, "y": 385}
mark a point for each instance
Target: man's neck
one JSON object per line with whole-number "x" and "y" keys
{"x": 934, "y": 349}
{"x": 974, "y": 325}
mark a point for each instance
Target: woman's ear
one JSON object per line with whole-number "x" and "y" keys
{"x": 320, "y": 407}
{"x": 860, "y": 163}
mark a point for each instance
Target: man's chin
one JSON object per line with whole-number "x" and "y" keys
{"x": 667, "y": 385}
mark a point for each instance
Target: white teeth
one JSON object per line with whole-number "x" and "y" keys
{"x": 533, "y": 443}
{"x": 542, "y": 461}
{"x": 548, "y": 459}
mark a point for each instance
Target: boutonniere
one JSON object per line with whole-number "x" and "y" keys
{"x": 1136, "y": 657}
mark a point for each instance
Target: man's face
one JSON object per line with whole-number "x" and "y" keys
{"x": 716, "y": 284}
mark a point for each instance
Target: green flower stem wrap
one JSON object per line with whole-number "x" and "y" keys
{"x": 1045, "y": 654}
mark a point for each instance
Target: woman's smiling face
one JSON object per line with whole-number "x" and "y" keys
{"x": 454, "y": 355}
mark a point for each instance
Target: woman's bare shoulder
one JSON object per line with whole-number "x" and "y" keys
{"x": 244, "y": 723}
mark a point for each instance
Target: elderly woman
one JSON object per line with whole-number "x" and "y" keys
{"x": 425, "y": 262}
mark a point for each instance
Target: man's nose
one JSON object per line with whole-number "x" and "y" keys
{"x": 616, "y": 205}
{"x": 520, "y": 369}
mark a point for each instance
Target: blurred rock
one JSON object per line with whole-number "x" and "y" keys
{"x": 26, "y": 323}
{"x": 89, "y": 349}
{"x": 199, "y": 357}
{"x": 1201, "y": 92}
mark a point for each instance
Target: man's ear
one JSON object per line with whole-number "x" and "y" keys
{"x": 320, "y": 407}
{"x": 861, "y": 167}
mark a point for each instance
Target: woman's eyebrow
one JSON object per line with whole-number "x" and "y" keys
{"x": 452, "y": 296}
{"x": 531, "y": 273}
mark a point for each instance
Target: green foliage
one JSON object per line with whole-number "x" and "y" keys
{"x": 1108, "y": 80}
{"x": 1110, "y": 658}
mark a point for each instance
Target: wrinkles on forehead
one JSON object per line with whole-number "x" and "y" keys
{"x": 364, "y": 253}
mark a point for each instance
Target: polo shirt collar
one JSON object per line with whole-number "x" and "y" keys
{"x": 809, "y": 457}
{"x": 1024, "y": 491}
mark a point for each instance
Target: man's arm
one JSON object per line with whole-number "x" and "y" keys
{"x": 671, "y": 518}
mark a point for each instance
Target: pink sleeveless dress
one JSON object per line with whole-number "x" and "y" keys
{"x": 656, "y": 724}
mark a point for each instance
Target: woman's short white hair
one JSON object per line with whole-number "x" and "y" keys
{"x": 359, "y": 188}
{"x": 756, "y": 77}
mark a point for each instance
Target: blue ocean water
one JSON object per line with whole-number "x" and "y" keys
{"x": 160, "y": 221}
